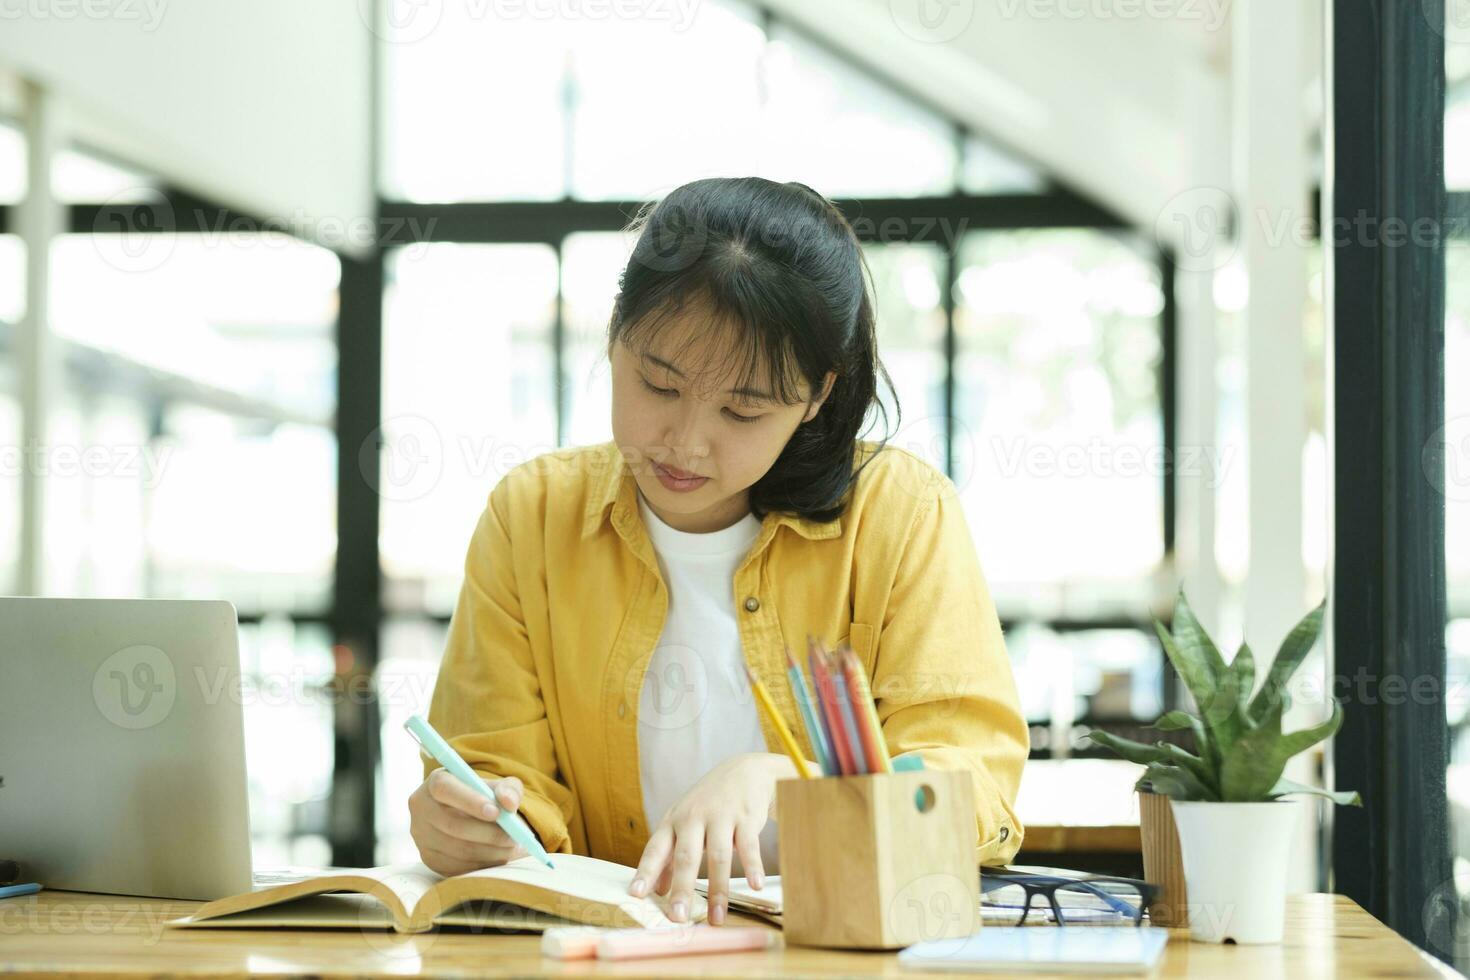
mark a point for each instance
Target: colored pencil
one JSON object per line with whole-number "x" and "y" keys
{"x": 849, "y": 716}
{"x": 764, "y": 697}
{"x": 803, "y": 696}
{"x": 842, "y": 747}
{"x": 867, "y": 713}
{"x": 834, "y": 763}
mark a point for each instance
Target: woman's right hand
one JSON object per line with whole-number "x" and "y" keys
{"x": 454, "y": 827}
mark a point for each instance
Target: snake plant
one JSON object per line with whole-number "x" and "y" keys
{"x": 1241, "y": 751}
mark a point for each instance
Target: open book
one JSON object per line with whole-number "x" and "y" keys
{"x": 523, "y": 894}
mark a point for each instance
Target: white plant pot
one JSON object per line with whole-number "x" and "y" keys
{"x": 1235, "y": 864}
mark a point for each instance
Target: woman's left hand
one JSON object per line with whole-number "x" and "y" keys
{"x": 724, "y": 812}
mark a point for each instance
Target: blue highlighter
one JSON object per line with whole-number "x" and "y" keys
{"x": 509, "y": 822}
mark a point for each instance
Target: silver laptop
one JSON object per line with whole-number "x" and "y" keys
{"x": 122, "y": 749}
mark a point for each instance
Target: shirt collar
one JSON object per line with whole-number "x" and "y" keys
{"x": 611, "y": 485}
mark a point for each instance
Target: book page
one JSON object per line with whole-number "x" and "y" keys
{"x": 487, "y": 915}
{"x": 408, "y": 881}
{"x": 580, "y": 888}
{"x": 397, "y": 887}
{"x": 339, "y": 910}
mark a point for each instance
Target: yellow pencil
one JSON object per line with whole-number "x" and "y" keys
{"x": 764, "y": 697}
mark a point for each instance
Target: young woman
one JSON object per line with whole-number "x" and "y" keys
{"x": 594, "y": 668}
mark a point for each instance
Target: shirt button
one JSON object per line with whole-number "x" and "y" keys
{"x": 1005, "y": 832}
{"x": 632, "y": 823}
{"x": 622, "y": 708}
{"x": 752, "y": 603}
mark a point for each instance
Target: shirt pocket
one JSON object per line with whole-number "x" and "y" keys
{"x": 860, "y": 637}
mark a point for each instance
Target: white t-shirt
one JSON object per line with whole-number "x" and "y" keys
{"x": 696, "y": 708}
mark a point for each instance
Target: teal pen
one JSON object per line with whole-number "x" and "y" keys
{"x": 509, "y": 822}
{"x": 11, "y": 891}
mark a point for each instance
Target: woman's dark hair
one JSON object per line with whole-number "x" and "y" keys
{"x": 779, "y": 267}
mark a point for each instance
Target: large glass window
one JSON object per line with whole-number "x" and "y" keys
{"x": 1457, "y": 95}
{"x": 10, "y": 469}
{"x": 591, "y": 264}
{"x": 12, "y": 165}
{"x": 619, "y": 69}
{"x": 468, "y": 392}
{"x": 244, "y": 508}
{"x": 1456, "y": 444}
{"x": 1230, "y": 466}
{"x": 192, "y": 454}
{"x": 472, "y": 104}
{"x": 83, "y": 178}
{"x": 1316, "y": 484}
{"x": 1232, "y": 486}
{"x": 12, "y": 308}
{"x": 988, "y": 169}
{"x": 405, "y": 684}
{"x": 202, "y": 383}
{"x": 76, "y": 176}
{"x": 730, "y": 99}
{"x": 1457, "y": 427}
{"x": 99, "y": 474}
{"x": 1098, "y": 674}
{"x": 1059, "y": 434}
{"x": 287, "y": 699}
{"x": 906, "y": 283}
{"x": 844, "y": 132}
{"x": 250, "y": 315}
{"x": 1059, "y": 460}
{"x": 12, "y": 279}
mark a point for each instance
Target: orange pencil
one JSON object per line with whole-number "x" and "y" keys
{"x": 827, "y": 696}
{"x": 847, "y": 711}
{"x": 870, "y": 729}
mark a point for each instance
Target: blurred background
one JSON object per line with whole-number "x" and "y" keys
{"x": 312, "y": 278}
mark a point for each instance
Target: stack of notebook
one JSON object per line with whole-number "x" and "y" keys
{"x": 764, "y": 903}
{"x": 1001, "y": 906}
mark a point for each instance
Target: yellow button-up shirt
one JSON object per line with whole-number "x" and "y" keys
{"x": 563, "y": 604}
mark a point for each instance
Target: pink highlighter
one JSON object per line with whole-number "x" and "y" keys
{"x": 592, "y": 942}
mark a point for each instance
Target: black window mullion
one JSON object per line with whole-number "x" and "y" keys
{"x": 1169, "y": 393}
{"x": 951, "y": 349}
{"x": 357, "y": 590}
{"x": 1388, "y": 572}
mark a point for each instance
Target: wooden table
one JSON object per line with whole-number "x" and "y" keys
{"x": 1079, "y": 805}
{"x": 53, "y": 934}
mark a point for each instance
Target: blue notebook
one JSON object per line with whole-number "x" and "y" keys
{"x": 1043, "y": 949}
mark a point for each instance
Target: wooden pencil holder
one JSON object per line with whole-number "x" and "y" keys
{"x": 877, "y": 861}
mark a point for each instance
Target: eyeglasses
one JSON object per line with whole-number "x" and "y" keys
{"x": 1079, "y": 899}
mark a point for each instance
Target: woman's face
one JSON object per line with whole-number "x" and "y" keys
{"x": 671, "y": 413}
